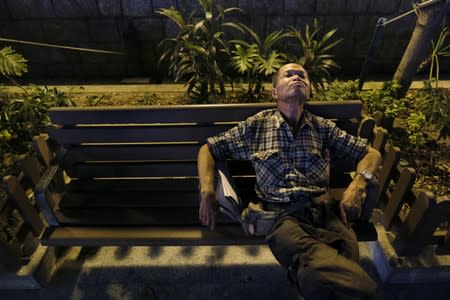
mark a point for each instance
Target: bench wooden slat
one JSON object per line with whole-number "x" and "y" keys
{"x": 17, "y": 194}
{"x": 397, "y": 197}
{"x": 42, "y": 148}
{"x": 190, "y": 113}
{"x": 145, "y": 184}
{"x": 133, "y": 169}
{"x": 390, "y": 161}
{"x": 140, "y": 199}
{"x": 134, "y": 184}
{"x": 140, "y": 152}
{"x": 131, "y": 216}
{"x": 148, "y": 169}
{"x": 380, "y": 139}
{"x": 147, "y": 134}
{"x": 149, "y": 236}
{"x": 31, "y": 168}
{"x": 366, "y": 128}
{"x": 129, "y": 199}
{"x": 132, "y": 134}
{"x": 162, "y": 236}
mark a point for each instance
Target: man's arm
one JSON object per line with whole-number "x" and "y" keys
{"x": 351, "y": 202}
{"x": 209, "y": 207}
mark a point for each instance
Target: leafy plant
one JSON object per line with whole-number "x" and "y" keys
{"x": 339, "y": 91}
{"x": 315, "y": 52}
{"x": 12, "y": 64}
{"x": 434, "y": 103}
{"x": 22, "y": 117}
{"x": 195, "y": 53}
{"x": 258, "y": 59}
{"x": 385, "y": 100}
{"x": 414, "y": 126}
{"x": 439, "y": 50}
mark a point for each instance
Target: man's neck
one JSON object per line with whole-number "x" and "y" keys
{"x": 292, "y": 111}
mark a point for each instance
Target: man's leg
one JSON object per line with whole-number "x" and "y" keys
{"x": 321, "y": 272}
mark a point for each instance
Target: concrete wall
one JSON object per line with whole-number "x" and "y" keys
{"x": 134, "y": 27}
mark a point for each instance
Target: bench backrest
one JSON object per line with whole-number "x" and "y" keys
{"x": 142, "y": 140}
{"x": 158, "y": 142}
{"x": 136, "y": 166}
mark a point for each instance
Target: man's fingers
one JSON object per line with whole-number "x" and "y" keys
{"x": 352, "y": 213}
{"x": 212, "y": 218}
{"x": 204, "y": 216}
{"x": 212, "y": 227}
{"x": 343, "y": 214}
{"x": 208, "y": 216}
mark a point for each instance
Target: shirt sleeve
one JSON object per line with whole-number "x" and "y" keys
{"x": 346, "y": 145}
{"x": 230, "y": 144}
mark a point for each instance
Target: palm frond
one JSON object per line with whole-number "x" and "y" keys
{"x": 12, "y": 63}
{"x": 315, "y": 51}
{"x": 271, "y": 63}
{"x": 174, "y": 15}
{"x": 243, "y": 59}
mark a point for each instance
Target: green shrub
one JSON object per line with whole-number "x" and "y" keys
{"x": 316, "y": 52}
{"x": 24, "y": 116}
{"x": 195, "y": 53}
{"x": 414, "y": 127}
{"x": 338, "y": 91}
{"x": 385, "y": 100}
{"x": 11, "y": 63}
{"x": 258, "y": 59}
{"x": 440, "y": 49}
{"x": 434, "y": 104}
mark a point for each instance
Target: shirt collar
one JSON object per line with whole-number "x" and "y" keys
{"x": 306, "y": 119}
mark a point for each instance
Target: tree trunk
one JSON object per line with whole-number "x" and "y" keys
{"x": 427, "y": 26}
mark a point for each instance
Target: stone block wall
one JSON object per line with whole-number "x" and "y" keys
{"x": 135, "y": 28}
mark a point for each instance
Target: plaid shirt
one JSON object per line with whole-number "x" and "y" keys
{"x": 287, "y": 167}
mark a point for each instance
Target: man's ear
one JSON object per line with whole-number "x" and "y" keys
{"x": 274, "y": 94}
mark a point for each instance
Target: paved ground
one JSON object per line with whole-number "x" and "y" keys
{"x": 172, "y": 273}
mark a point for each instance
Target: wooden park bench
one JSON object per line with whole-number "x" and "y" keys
{"x": 128, "y": 175}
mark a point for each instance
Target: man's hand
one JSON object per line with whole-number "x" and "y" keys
{"x": 209, "y": 208}
{"x": 353, "y": 197}
{"x": 351, "y": 203}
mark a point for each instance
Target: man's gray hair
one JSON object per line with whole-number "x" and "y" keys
{"x": 275, "y": 78}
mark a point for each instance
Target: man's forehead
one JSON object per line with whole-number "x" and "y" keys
{"x": 292, "y": 67}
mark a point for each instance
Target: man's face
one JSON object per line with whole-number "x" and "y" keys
{"x": 292, "y": 85}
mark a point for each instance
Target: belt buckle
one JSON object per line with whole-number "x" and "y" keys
{"x": 274, "y": 206}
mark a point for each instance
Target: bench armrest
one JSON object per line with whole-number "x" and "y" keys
{"x": 42, "y": 194}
